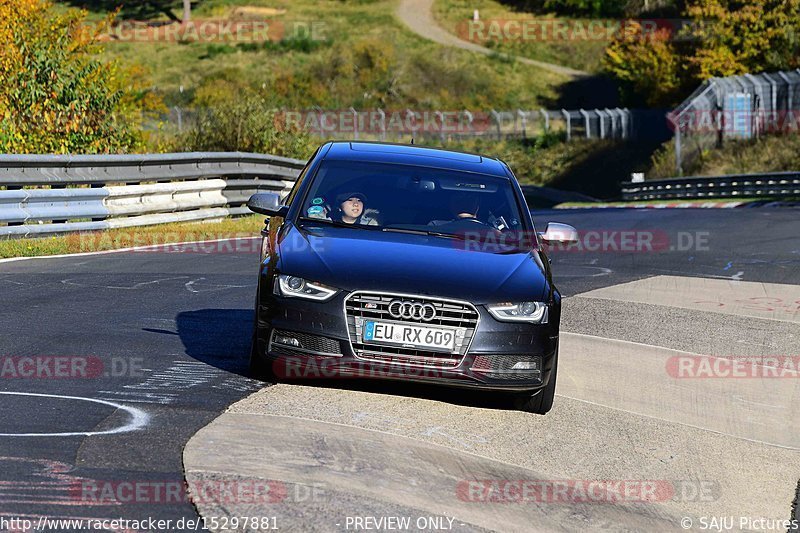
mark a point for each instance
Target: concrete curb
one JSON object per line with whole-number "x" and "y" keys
{"x": 672, "y": 205}
{"x": 322, "y": 475}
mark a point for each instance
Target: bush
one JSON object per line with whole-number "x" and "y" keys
{"x": 770, "y": 153}
{"x": 593, "y": 8}
{"x": 56, "y": 96}
{"x": 234, "y": 118}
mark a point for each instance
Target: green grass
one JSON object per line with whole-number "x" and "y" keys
{"x": 584, "y": 54}
{"x": 770, "y": 153}
{"x": 128, "y": 237}
{"x": 394, "y": 67}
{"x": 368, "y": 59}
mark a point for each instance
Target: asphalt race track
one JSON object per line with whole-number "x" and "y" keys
{"x": 155, "y": 346}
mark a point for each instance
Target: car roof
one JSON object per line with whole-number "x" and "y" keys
{"x": 408, "y": 154}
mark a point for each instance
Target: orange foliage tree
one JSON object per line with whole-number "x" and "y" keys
{"x": 56, "y": 94}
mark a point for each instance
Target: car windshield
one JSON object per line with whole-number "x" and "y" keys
{"x": 402, "y": 198}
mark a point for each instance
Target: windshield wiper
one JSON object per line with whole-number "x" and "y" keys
{"x": 425, "y": 232}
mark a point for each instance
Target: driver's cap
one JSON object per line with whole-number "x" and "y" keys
{"x": 346, "y": 196}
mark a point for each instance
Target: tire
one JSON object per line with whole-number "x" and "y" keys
{"x": 260, "y": 366}
{"x": 541, "y": 401}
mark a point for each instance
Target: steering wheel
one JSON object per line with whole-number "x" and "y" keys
{"x": 467, "y": 224}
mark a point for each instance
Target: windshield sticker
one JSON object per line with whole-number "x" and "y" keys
{"x": 318, "y": 201}
{"x": 315, "y": 210}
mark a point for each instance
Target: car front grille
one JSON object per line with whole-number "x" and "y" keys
{"x": 361, "y": 306}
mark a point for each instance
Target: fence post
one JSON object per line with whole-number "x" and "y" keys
{"x": 414, "y": 128}
{"x": 788, "y": 90}
{"x": 546, "y": 120}
{"x": 180, "y": 118}
{"x": 355, "y": 123}
{"x": 587, "y": 122}
{"x": 496, "y": 116}
{"x": 524, "y": 121}
{"x": 383, "y": 124}
{"x": 440, "y": 116}
{"x": 601, "y": 116}
{"x": 624, "y": 116}
{"x": 614, "y": 122}
{"x": 568, "y": 118}
{"x": 469, "y": 118}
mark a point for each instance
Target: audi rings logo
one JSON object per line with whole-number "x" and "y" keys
{"x": 412, "y": 310}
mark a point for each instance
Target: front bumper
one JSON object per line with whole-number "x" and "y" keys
{"x": 327, "y": 350}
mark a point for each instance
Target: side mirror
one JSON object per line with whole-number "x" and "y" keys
{"x": 267, "y": 203}
{"x": 556, "y": 232}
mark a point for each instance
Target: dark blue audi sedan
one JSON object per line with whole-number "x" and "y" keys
{"x": 401, "y": 262}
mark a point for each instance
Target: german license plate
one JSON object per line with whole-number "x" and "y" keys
{"x": 409, "y": 336}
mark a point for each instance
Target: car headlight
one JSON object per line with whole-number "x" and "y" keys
{"x": 296, "y": 287}
{"x": 534, "y": 312}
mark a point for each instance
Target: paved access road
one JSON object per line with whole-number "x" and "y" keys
{"x": 163, "y": 338}
{"x": 418, "y": 16}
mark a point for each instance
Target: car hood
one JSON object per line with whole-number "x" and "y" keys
{"x": 363, "y": 259}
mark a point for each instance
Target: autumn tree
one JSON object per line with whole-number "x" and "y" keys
{"x": 723, "y": 38}
{"x": 56, "y": 94}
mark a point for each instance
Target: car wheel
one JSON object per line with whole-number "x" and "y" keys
{"x": 541, "y": 401}
{"x": 260, "y": 366}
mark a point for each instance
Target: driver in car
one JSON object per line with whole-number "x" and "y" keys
{"x": 350, "y": 209}
{"x": 464, "y": 207}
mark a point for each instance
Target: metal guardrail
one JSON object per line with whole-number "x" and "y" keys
{"x": 47, "y": 194}
{"x": 773, "y": 185}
